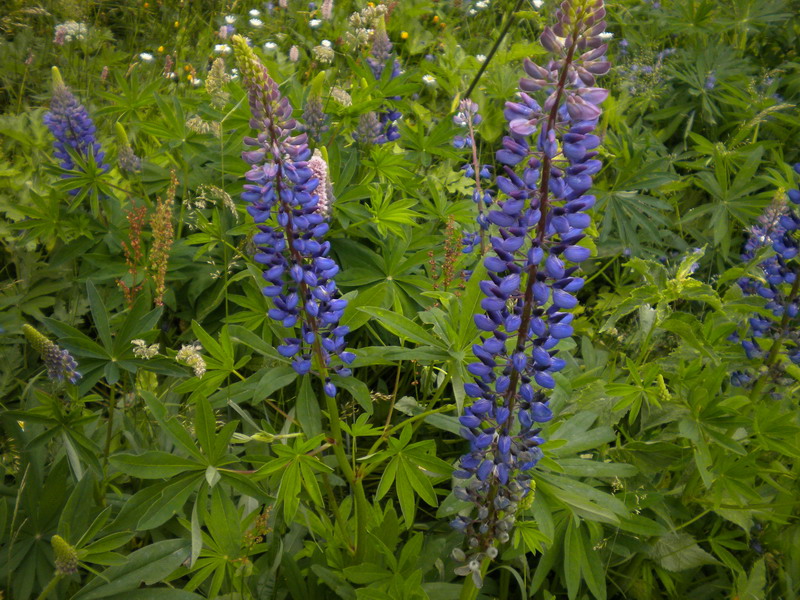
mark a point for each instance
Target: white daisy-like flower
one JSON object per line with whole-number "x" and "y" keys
{"x": 429, "y": 80}
{"x": 538, "y": 4}
{"x": 472, "y": 12}
{"x": 481, "y": 5}
{"x": 197, "y": 82}
{"x": 230, "y": 19}
{"x": 255, "y": 13}
{"x": 256, "y": 23}
{"x": 222, "y": 49}
{"x": 326, "y": 43}
{"x": 270, "y": 46}
{"x": 146, "y": 57}
{"x": 606, "y": 35}
{"x": 314, "y": 23}
{"x": 480, "y": 58}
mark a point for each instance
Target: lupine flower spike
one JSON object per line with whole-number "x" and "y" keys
{"x": 283, "y": 191}
{"x": 532, "y": 275}
{"x": 72, "y": 127}
{"x": 777, "y": 228}
{"x": 60, "y": 364}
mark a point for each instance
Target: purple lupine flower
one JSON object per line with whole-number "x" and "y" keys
{"x": 73, "y": 128}
{"x": 61, "y": 366}
{"x": 381, "y": 56}
{"x": 549, "y": 159}
{"x": 776, "y": 228}
{"x": 282, "y": 190}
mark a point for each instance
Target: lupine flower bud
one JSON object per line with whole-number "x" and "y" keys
{"x": 60, "y": 364}
{"x": 66, "y": 557}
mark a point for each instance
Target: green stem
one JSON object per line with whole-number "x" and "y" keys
{"x": 110, "y": 429}
{"x": 50, "y": 587}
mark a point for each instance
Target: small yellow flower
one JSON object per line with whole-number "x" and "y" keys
{"x": 177, "y": 24}
{"x": 161, "y": 48}
{"x": 147, "y": 5}
{"x": 371, "y": 4}
{"x": 436, "y": 18}
{"x": 404, "y": 35}
{"x": 187, "y": 68}
{"x": 190, "y": 77}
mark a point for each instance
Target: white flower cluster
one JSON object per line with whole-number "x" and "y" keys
{"x": 189, "y": 354}
{"x": 142, "y": 350}
{"x": 69, "y": 31}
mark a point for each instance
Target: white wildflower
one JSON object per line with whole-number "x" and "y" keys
{"x": 270, "y": 46}
{"x": 315, "y": 23}
{"x": 481, "y": 58}
{"x": 537, "y": 4}
{"x": 255, "y": 13}
{"x": 429, "y": 80}
{"x": 326, "y": 43}
{"x": 224, "y": 49}
{"x": 189, "y": 354}
{"x": 230, "y": 19}
{"x": 142, "y": 350}
{"x": 606, "y": 35}
{"x": 146, "y": 57}
{"x": 256, "y": 23}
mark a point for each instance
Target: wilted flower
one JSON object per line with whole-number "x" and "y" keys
{"x": 314, "y": 118}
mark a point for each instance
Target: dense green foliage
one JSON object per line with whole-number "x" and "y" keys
{"x": 196, "y": 463}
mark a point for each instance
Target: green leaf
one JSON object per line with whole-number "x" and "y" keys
{"x": 154, "y": 464}
{"x": 99, "y": 315}
{"x": 401, "y": 326}
{"x": 148, "y": 565}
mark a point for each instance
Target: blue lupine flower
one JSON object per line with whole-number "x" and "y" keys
{"x": 73, "y": 128}
{"x": 282, "y": 190}
{"x": 777, "y": 229}
{"x": 548, "y": 161}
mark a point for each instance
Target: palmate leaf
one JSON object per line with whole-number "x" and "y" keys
{"x": 632, "y": 216}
